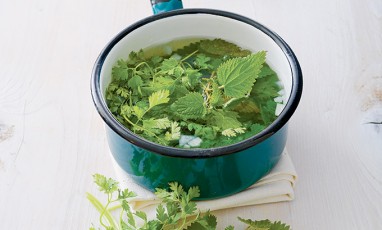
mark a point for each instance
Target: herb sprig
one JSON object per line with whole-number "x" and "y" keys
{"x": 176, "y": 212}
{"x": 211, "y": 90}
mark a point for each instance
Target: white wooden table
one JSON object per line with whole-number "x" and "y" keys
{"x": 52, "y": 139}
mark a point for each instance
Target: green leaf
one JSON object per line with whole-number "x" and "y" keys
{"x": 256, "y": 128}
{"x": 206, "y": 221}
{"x": 135, "y": 57}
{"x": 221, "y": 47}
{"x": 135, "y": 82}
{"x": 138, "y": 111}
{"x": 161, "y": 123}
{"x": 216, "y": 96}
{"x": 232, "y": 132}
{"x": 203, "y": 131}
{"x": 161, "y": 213}
{"x": 160, "y": 97}
{"x": 106, "y": 185}
{"x": 279, "y": 226}
{"x": 160, "y": 83}
{"x": 238, "y": 75}
{"x": 168, "y": 65}
{"x": 264, "y": 225}
{"x": 230, "y": 228}
{"x": 266, "y": 71}
{"x": 122, "y": 92}
{"x": 267, "y": 112}
{"x": 141, "y": 215}
{"x": 193, "y": 77}
{"x": 126, "y": 110}
{"x": 156, "y": 60}
{"x": 126, "y": 193}
{"x": 190, "y": 106}
{"x": 225, "y": 119}
{"x": 120, "y": 71}
{"x": 201, "y": 61}
{"x": 246, "y": 105}
{"x": 174, "y": 134}
{"x": 193, "y": 192}
{"x": 266, "y": 89}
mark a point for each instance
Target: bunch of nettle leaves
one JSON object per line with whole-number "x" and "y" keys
{"x": 176, "y": 212}
{"x": 205, "y": 90}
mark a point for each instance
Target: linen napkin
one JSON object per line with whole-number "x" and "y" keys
{"x": 276, "y": 186}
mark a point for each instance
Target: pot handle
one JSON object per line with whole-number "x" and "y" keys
{"x": 160, "y": 6}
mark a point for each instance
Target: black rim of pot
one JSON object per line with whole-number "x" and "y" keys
{"x": 125, "y": 133}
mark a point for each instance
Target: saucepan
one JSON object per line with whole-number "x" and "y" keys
{"x": 220, "y": 171}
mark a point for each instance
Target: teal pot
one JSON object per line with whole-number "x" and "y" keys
{"x": 218, "y": 171}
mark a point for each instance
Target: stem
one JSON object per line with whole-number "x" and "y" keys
{"x": 144, "y": 63}
{"x": 118, "y": 206}
{"x": 229, "y": 102}
{"x": 188, "y": 56}
{"x": 101, "y": 209}
{"x": 130, "y": 122}
{"x": 105, "y": 210}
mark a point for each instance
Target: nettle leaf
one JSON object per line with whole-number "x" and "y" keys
{"x": 160, "y": 83}
{"x": 238, "y": 75}
{"x": 266, "y": 71}
{"x": 221, "y": 47}
{"x": 160, "y": 97}
{"x": 247, "y": 105}
{"x": 190, "y": 106}
{"x": 266, "y": 88}
{"x": 225, "y": 119}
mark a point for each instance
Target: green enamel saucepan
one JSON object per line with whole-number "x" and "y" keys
{"x": 220, "y": 171}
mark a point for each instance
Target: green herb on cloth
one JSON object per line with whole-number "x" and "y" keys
{"x": 176, "y": 212}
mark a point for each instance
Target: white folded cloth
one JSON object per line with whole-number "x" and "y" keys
{"x": 276, "y": 186}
